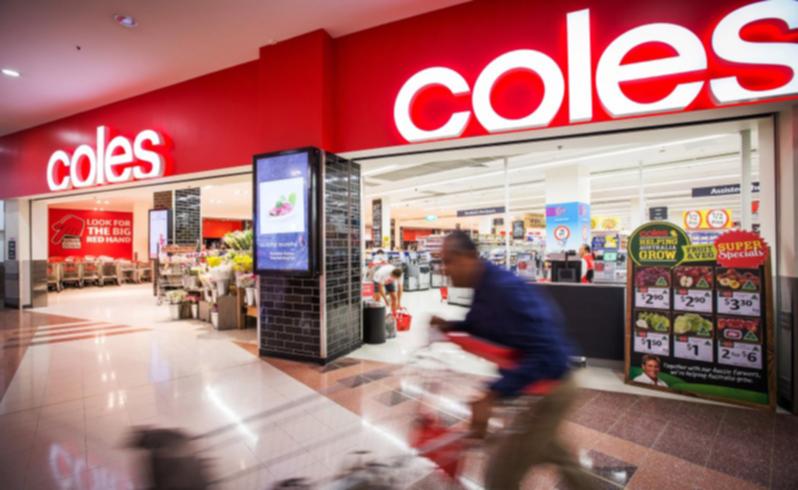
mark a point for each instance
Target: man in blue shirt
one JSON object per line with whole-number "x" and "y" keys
{"x": 511, "y": 313}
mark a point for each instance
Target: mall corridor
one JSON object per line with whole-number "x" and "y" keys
{"x": 73, "y": 390}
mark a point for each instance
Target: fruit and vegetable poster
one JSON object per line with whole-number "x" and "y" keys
{"x": 81, "y": 233}
{"x": 698, "y": 316}
{"x": 281, "y": 212}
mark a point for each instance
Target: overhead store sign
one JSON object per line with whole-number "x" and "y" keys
{"x": 721, "y": 190}
{"x": 109, "y": 162}
{"x": 673, "y": 63}
{"x": 480, "y": 212}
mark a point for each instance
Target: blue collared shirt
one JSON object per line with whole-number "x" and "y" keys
{"x": 512, "y": 313}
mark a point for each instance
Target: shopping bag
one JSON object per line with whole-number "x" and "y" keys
{"x": 390, "y": 326}
{"x": 403, "y": 320}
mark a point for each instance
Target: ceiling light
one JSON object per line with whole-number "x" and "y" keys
{"x": 11, "y": 73}
{"x": 379, "y": 170}
{"x": 125, "y": 21}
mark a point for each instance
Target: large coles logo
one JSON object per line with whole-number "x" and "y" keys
{"x": 110, "y": 161}
{"x": 653, "y": 68}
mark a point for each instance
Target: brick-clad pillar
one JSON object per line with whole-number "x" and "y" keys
{"x": 320, "y": 319}
{"x": 162, "y": 200}
{"x": 188, "y": 221}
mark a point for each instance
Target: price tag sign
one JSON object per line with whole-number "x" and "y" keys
{"x": 740, "y": 354}
{"x": 739, "y": 303}
{"x": 657, "y": 298}
{"x": 698, "y": 300}
{"x": 694, "y": 348}
{"x": 652, "y": 343}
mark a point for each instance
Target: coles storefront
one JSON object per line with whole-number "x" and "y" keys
{"x": 536, "y": 108}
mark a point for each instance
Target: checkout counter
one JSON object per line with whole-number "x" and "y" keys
{"x": 595, "y": 316}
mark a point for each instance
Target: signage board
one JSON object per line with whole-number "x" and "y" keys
{"x": 698, "y": 324}
{"x": 376, "y": 222}
{"x": 286, "y": 212}
{"x": 707, "y": 219}
{"x": 535, "y": 220}
{"x": 464, "y": 213}
{"x": 658, "y": 213}
{"x": 159, "y": 231}
{"x": 81, "y": 233}
{"x": 12, "y": 249}
{"x": 110, "y": 161}
{"x": 721, "y": 190}
{"x": 519, "y": 231}
{"x": 588, "y": 74}
{"x": 567, "y": 226}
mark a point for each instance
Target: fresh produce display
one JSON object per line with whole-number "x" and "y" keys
{"x": 693, "y": 277}
{"x": 691, "y": 323}
{"x": 738, "y": 279}
{"x": 653, "y": 321}
{"x": 652, "y": 277}
{"x": 284, "y": 206}
{"x": 738, "y": 329}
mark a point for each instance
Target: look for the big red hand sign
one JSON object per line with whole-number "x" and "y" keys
{"x": 78, "y": 233}
{"x": 70, "y": 225}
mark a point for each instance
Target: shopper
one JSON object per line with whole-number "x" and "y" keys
{"x": 587, "y": 263}
{"x": 509, "y": 312}
{"x": 388, "y": 285}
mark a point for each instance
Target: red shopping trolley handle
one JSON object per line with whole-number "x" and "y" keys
{"x": 504, "y": 357}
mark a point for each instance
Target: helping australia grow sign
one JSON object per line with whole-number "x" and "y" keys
{"x": 698, "y": 320}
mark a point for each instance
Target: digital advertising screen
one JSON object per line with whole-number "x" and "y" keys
{"x": 159, "y": 226}
{"x": 284, "y": 203}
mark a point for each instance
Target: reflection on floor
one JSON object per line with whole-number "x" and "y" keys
{"x": 74, "y": 385}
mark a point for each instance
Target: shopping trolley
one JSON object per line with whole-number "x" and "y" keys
{"x": 127, "y": 271}
{"x": 54, "y": 276}
{"x": 72, "y": 273}
{"x": 143, "y": 272}
{"x": 109, "y": 272}
{"x": 91, "y": 272}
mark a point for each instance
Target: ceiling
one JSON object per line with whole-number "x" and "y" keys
{"x": 225, "y": 198}
{"x": 673, "y": 161}
{"x": 73, "y": 56}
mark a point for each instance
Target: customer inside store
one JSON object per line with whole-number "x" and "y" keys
{"x": 388, "y": 286}
{"x": 588, "y": 268}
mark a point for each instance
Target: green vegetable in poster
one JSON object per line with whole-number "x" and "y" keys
{"x": 690, "y": 323}
{"x": 653, "y": 321}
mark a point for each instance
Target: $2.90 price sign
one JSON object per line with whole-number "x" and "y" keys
{"x": 740, "y": 354}
{"x": 652, "y": 343}
{"x": 739, "y": 303}
{"x": 697, "y": 349}
{"x": 698, "y": 300}
{"x": 658, "y": 298}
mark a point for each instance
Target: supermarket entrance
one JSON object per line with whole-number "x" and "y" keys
{"x": 150, "y": 248}
{"x": 531, "y": 206}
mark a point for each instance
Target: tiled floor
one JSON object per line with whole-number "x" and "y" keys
{"x": 78, "y": 376}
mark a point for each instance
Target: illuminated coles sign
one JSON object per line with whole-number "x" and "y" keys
{"x": 687, "y": 57}
{"x": 110, "y": 162}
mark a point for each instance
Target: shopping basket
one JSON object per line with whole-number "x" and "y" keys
{"x": 403, "y": 320}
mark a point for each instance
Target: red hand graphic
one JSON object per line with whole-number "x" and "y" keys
{"x": 68, "y": 225}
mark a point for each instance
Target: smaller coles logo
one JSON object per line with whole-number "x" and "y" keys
{"x": 742, "y": 249}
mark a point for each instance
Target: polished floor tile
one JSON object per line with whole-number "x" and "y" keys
{"x": 75, "y": 382}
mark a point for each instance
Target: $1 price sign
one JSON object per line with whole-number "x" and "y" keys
{"x": 658, "y": 298}
{"x": 693, "y": 300}
{"x": 697, "y": 349}
{"x": 739, "y": 303}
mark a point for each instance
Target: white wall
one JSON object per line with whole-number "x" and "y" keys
{"x": 140, "y": 229}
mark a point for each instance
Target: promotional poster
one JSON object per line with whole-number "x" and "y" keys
{"x": 158, "y": 230}
{"x": 81, "y": 233}
{"x": 698, "y": 314}
{"x": 567, "y": 226}
{"x": 283, "y": 186}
